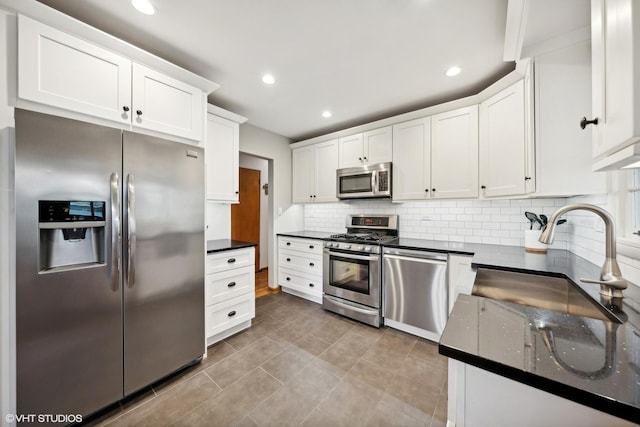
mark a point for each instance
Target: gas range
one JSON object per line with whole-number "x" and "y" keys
{"x": 365, "y": 233}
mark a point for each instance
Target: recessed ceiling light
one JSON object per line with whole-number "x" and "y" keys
{"x": 453, "y": 71}
{"x": 326, "y": 114}
{"x": 144, "y": 6}
{"x": 268, "y": 79}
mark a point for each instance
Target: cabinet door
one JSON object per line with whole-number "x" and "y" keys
{"x": 378, "y": 146}
{"x": 454, "y": 153}
{"x": 59, "y": 70}
{"x": 164, "y": 104}
{"x": 616, "y": 52}
{"x": 221, "y": 158}
{"x": 326, "y": 163}
{"x": 351, "y": 151}
{"x": 411, "y": 159}
{"x": 303, "y": 173}
{"x": 502, "y": 143}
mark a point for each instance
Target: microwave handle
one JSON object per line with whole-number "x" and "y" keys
{"x": 374, "y": 182}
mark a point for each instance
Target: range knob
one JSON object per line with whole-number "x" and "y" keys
{"x": 347, "y": 246}
{"x": 360, "y": 248}
{"x": 368, "y": 249}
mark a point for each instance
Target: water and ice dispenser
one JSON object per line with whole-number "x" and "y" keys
{"x": 72, "y": 234}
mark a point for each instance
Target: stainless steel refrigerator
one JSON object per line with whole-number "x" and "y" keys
{"x": 109, "y": 262}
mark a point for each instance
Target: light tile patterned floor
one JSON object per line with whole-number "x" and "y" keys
{"x": 299, "y": 365}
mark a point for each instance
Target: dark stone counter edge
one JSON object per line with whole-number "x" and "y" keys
{"x": 584, "y": 397}
{"x": 227, "y": 245}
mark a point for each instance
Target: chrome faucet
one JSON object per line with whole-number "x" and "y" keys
{"x": 611, "y": 281}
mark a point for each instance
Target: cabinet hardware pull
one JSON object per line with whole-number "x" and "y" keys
{"x": 365, "y": 159}
{"x": 426, "y": 190}
{"x": 139, "y": 112}
{"x": 232, "y": 313}
{"x": 288, "y": 243}
{"x": 360, "y": 158}
{"x": 288, "y": 279}
{"x": 527, "y": 178}
{"x": 311, "y": 264}
{"x": 231, "y": 284}
{"x": 311, "y": 285}
{"x": 237, "y": 192}
{"x": 483, "y": 187}
{"x": 288, "y": 259}
{"x": 584, "y": 122}
{"x": 433, "y": 189}
{"x": 310, "y": 246}
{"x": 125, "y": 108}
{"x": 231, "y": 260}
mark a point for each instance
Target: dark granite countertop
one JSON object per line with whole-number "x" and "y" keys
{"x": 226, "y": 245}
{"x": 319, "y": 235}
{"x": 589, "y": 361}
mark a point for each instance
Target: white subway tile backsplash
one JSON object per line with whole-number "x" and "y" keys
{"x": 481, "y": 221}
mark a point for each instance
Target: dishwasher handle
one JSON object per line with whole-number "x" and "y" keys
{"x": 412, "y": 255}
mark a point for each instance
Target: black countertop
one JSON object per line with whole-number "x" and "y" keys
{"x": 226, "y": 245}
{"x": 319, "y": 235}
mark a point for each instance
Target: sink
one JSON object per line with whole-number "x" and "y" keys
{"x": 545, "y": 292}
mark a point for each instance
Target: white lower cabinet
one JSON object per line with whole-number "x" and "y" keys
{"x": 229, "y": 293}
{"x": 300, "y": 267}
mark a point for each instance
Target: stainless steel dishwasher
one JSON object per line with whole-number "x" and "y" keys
{"x": 415, "y": 297}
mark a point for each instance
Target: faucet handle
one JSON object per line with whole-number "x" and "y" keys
{"x": 612, "y": 287}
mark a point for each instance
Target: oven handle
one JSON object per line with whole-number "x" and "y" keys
{"x": 353, "y": 256}
{"x": 352, "y": 307}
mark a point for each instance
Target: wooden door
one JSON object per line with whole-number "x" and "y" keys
{"x": 245, "y": 216}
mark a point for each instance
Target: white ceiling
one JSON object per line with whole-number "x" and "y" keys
{"x": 361, "y": 59}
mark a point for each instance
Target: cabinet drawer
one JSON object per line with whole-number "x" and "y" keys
{"x": 301, "y": 282}
{"x": 308, "y": 246}
{"x": 228, "y": 284}
{"x": 220, "y": 261}
{"x": 310, "y": 264}
{"x": 220, "y": 317}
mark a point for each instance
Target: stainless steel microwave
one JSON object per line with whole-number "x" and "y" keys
{"x": 364, "y": 182}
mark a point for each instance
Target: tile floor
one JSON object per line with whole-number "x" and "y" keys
{"x": 299, "y": 365}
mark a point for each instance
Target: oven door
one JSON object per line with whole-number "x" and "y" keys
{"x": 352, "y": 276}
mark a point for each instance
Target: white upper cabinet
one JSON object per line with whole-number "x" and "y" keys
{"x": 502, "y": 143}
{"x": 454, "y": 153}
{"x": 62, "y": 71}
{"x": 367, "y": 148}
{"x": 314, "y": 172}
{"x": 412, "y": 159}
{"x": 59, "y": 72}
{"x": 165, "y": 104}
{"x": 221, "y": 159}
{"x": 615, "y": 31}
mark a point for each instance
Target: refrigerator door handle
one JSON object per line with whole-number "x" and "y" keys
{"x": 115, "y": 231}
{"x": 131, "y": 230}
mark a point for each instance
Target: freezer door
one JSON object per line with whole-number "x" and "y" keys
{"x": 163, "y": 258}
{"x": 68, "y": 295}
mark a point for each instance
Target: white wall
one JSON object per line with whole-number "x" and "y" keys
{"x": 282, "y": 215}
{"x": 251, "y": 162}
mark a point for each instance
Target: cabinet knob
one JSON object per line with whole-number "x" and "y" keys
{"x": 311, "y": 246}
{"x": 288, "y": 279}
{"x": 125, "y": 108}
{"x": 311, "y": 285}
{"x": 288, "y": 259}
{"x": 288, "y": 243}
{"x": 365, "y": 159}
{"x": 360, "y": 158}
{"x": 483, "y": 187}
{"x": 426, "y": 190}
{"x": 237, "y": 192}
{"x": 433, "y": 189}
{"x": 584, "y": 122}
{"x": 139, "y": 112}
{"x": 311, "y": 264}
